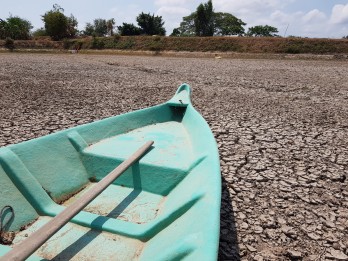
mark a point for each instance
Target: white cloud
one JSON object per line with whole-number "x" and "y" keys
{"x": 287, "y": 23}
{"x": 314, "y": 23}
{"x": 298, "y": 23}
{"x": 249, "y": 6}
{"x": 127, "y": 14}
{"x": 256, "y": 12}
{"x": 173, "y": 11}
{"x": 279, "y": 17}
{"x": 313, "y": 27}
{"x": 314, "y": 16}
{"x": 171, "y": 2}
{"x": 339, "y": 14}
{"x": 172, "y": 16}
{"x": 310, "y": 24}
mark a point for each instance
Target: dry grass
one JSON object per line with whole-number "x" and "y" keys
{"x": 195, "y": 44}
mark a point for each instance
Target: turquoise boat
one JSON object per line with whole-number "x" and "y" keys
{"x": 164, "y": 205}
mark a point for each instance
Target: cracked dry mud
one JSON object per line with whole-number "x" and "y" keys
{"x": 281, "y": 128}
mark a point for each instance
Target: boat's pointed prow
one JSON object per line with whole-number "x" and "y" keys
{"x": 169, "y": 199}
{"x": 181, "y": 97}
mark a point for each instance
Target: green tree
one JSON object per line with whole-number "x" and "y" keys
{"x": 100, "y": 27}
{"x": 176, "y": 32}
{"x": 228, "y": 24}
{"x": 151, "y": 24}
{"x": 204, "y": 19}
{"x": 199, "y": 20}
{"x": 3, "y": 27}
{"x": 110, "y": 24}
{"x": 57, "y": 25}
{"x": 262, "y": 31}
{"x": 18, "y": 28}
{"x": 128, "y": 29}
{"x": 223, "y": 24}
{"x": 187, "y": 26}
{"x": 72, "y": 26}
{"x": 15, "y": 28}
{"x": 39, "y": 32}
{"x": 89, "y": 29}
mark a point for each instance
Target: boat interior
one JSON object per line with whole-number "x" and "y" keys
{"x": 153, "y": 204}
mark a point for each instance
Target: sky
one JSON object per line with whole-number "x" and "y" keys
{"x": 306, "y": 18}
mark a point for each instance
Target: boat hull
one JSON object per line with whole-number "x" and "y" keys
{"x": 164, "y": 207}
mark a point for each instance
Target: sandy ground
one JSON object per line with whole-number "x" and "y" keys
{"x": 281, "y": 127}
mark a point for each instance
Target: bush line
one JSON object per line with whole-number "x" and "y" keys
{"x": 193, "y": 44}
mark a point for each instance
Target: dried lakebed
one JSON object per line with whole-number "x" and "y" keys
{"x": 281, "y": 128}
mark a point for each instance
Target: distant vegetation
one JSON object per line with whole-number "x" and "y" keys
{"x": 206, "y": 22}
{"x": 202, "y": 30}
{"x": 15, "y": 28}
{"x": 151, "y": 24}
{"x": 128, "y": 29}
{"x": 262, "y": 31}
{"x": 157, "y": 44}
{"x": 57, "y": 25}
{"x": 203, "y": 22}
{"x": 100, "y": 27}
{"x": 147, "y": 25}
{"x": 9, "y": 44}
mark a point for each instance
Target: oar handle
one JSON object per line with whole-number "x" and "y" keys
{"x": 38, "y": 238}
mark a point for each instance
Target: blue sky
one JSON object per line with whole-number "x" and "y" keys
{"x": 312, "y": 18}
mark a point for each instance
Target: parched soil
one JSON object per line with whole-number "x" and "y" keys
{"x": 281, "y": 127}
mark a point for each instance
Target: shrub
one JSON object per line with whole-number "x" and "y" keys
{"x": 9, "y": 43}
{"x": 66, "y": 44}
{"x": 117, "y": 38}
{"x": 157, "y": 38}
{"x": 128, "y": 44}
{"x": 78, "y": 45}
{"x": 97, "y": 43}
{"x": 293, "y": 50}
{"x": 155, "y": 44}
{"x": 40, "y": 33}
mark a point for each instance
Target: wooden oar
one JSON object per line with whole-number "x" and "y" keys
{"x": 38, "y": 238}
